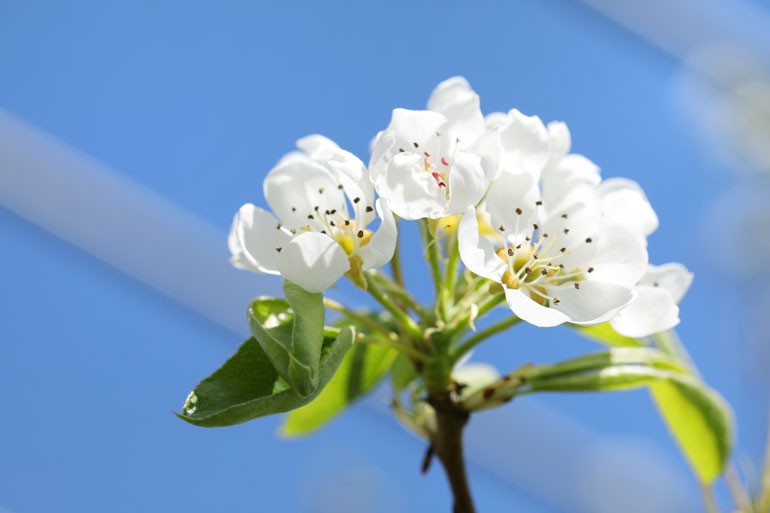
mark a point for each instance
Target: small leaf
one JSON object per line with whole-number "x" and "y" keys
{"x": 403, "y": 373}
{"x": 248, "y": 386}
{"x": 291, "y": 334}
{"x": 363, "y": 367}
{"x": 701, "y": 423}
{"x": 606, "y": 334}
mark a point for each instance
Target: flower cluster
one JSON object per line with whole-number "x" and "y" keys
{"x": 563, "y": 244}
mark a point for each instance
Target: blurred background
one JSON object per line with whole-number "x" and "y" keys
{"x": 130, "y": 133}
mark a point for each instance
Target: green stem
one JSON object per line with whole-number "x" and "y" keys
{"x": 462, "y": 324}
{"x": 740, "y": 496}
{"x": 707, "y": 492}
{"x": 395, "y": 262}
{"x": 482, "y": 335}
{"x": 393, "y": 344}
{"x": 434, "y": 259}
{"x": 398, "y": 314}
{"x": 401, "y": 294}
{"x": 449, "y": 283}
{"x": 669, "y": 343}
{"x": 361, "y": 319}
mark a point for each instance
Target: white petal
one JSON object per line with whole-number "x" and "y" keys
{"x": 381, "y": 246}
{"x": 254, "y": 240}
{"x": 525, "y": 144}
{"x": 651, "y": 311}
{"x": 571, "y": 180}
{"x": 489, "y": 147}
{"x": 624, "y": 202}
{"x": 467, "y": 182}
{"x": 593, "y": 303}
{"x": 496, "y": 119}
{"x": 620, "y": 258}
{"x": 560, "y": 139}
{"x": 506, "y": 194}
{"x": 381, "y": 148}
{"x": 318, "y": 147}
{"x": 477, "y": 253}
{"x": 296, "y": 186}
{"x": 672, "y": 277}
{"x": 415, "y": 126}
{"x": 411, "y": 191}
{"x": 532, "y": 312}
{"x": 455, "y": 99}
{"x": 313, "y": 261}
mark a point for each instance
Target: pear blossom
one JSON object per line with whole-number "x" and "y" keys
{"x": 558, "y": 256}
{"x": 426, "y": 163}
{"x": 654, "y": 307}
{"x": 322, "y": 202}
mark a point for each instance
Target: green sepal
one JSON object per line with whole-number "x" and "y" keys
{"x": 248, "y": 386}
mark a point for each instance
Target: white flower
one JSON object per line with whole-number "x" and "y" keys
{"x": 322, "y": 202}
{"x": 424, "y": 163}
{"x": 558, "y": 256}
{"x": 654, "y": 307}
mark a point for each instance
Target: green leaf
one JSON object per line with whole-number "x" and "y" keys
{"x": 403, "y": 373}
{"x": 701, "y": 423}
{"x": 291, "y": 333}
{"x": 606, "y": 334}
{"x": 248, "y": 386}
{"x": 363, "y": 367}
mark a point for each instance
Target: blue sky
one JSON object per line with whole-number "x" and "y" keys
{"x": 196, "y": 101}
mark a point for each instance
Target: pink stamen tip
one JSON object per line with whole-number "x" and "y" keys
{"x": 444, "y": 161}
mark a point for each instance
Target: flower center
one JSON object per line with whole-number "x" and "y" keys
{"x": 533, "y": 263}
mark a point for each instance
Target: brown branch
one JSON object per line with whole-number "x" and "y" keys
{"x": 448, "y": 447}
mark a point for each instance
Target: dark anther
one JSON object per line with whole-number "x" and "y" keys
{"x": 321, "y": 190}
{"x": 563, "y": 250}
{"x": 527, "y": 270}
{"x": 564, "y": 216}
{"x": 360, "y": 234}
{"x": 589, "y": 240}
{"x": 518, "y": 210}
{"x": 369, "y": 208}
{"x": 577, "y": 285}
{"x": 590, "y": 269}
{"x": 502, "y": 228}
{"x": 416, "y": 145}
{"x": 278, "y": 249}
{"x": 356, "y": 199}
{"x": 538, "y": 203}
{"x": 510, "y": 251}
{"x": 340, "y": 187}
{"x": 544, "y": 272}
